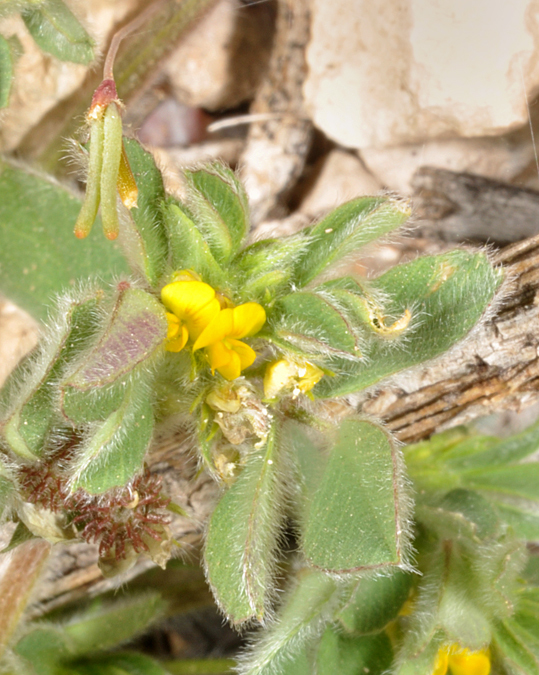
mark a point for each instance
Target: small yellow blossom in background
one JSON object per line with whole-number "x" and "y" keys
{"x": 296, "y": 376}
{"x": 192, "y": 306}
{"x": 221, "y": 339}
{"x": 462, "y": 661}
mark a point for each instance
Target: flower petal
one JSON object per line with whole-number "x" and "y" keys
{"x": 442, "y": 662}
{"x": 246, "y": 354}
{"x": 278, "y": 376}
{"x": 218, "y": 329}
{"x": 173, "y": 327}
{"x": 178, "y": 343}
{"x": 185, "y": 298}
{"x": 218, "y": 355}
{"x": 232, "y": 370}
{"x": 466, "y": 662}
{"x": 248, "y": 320}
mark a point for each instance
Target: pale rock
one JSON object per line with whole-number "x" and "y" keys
{"x": 18, "y": 336}
{"x": 343, "y": 177}
{"x": 40, "y": 79}
{"x": 495, "y": 158}
{"x": 401, "y": 71}
{"x": 221, "y": 61}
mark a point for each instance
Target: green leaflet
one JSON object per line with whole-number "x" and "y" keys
{"x": 347, "y": 655}
{"x": 110, "y": 624}
{"x": 58, "y": 32}
{"x": 133, "y": 335}
{"x": 358, "y": 513}
{"x": 188, "y": 249}
{"x": 347, "y": 229}
{"x": 374, "y": 602}
{"x": 242, "y": 535}
{"x": 19, "y": 536}
{"x": 446, "y": 295}
{"x": 264, "y": 269}
{"x": 44, "y": 648}
{"x": 33, "y": 413}
{"x": 147, "y": 246}
{"x": 39, "y": 256}
{"x": 310, "y": 324}
{"x": 114, "y": 450}
{"x": 301, "y": 619}
{"x": 518, "y": 653}
{"x": 220, "y": 208}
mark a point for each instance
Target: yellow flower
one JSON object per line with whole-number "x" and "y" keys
{"x": 462, "y": 661}
{"x": 296, "y": 376}
{"x": 192, "y": 306}
{"x": 221, "y": 338}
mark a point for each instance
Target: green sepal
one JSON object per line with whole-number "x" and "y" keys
{"x": 347, "y": 229}
{"x": 146, "y": 245}
{"x": 113, "y": 451}
{"x": 349, "y": 655}
{"x": 357, "y": 517}
{"x": 39, "y": 256}
{"x": 417, "y": 661}
{"x": 308, "y": 323}
{"x": 446, "y": 296}
{"x": 34, "y": 412}
{"x": 374, "y": 602}
{"x": 132, "y": 337}
{"x": 242, "y": 535}
{"x": 264, "y": 269}
{"x": 303, "y": 615}
{"x": 189, "y": 250}
{"x": 220, "y": 207}
{"x": 57, "y": 32}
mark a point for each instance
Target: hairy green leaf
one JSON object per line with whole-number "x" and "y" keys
{"x": 242, "y": 535}
{"x": 219, "y": 204}
{"x": 146, "y": 244}
{"x": 446, "y": 295}
{"x": 358, "y": 514}
{"x": 348, "y": 655}
{"x": 33, "y": 413}
{"x": 374, "y": 602}
{"x": 39, "y": 256}
{"x": 517, "y": 652}
{"x": 347, "y": 229}
{"x": 56, "y": 31}
{"x": 114, "y": 450}
{"x": 188, "y": 248}
{"x": 304, "y": 613}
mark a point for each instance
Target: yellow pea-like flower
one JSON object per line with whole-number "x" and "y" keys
{"x": 460, "y": 661}
{"x": 221, "y": 339}
{"x": 286, "y": 375}
{"x": 192, "y": 305}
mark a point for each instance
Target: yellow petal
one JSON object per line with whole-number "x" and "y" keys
{"x": 248, "y": 320}
{"x": 442, "y": 662}
{"x": 178, "y": 343}
{"x": 185, "y": 298}
{"x": 279, "y": 375}
{"x": 466, "y": 662}
{"x": 217, "y": 329}
{"x": 309, "y": 375}
{"x": 193, "y": 302}
{"x": 246, "y": 354}
{"x": 173, "y": 325}
{"x": 232, "y": 370}
{"x": 218, "y": 355}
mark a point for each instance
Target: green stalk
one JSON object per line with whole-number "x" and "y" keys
{"x": 112, "y": 153}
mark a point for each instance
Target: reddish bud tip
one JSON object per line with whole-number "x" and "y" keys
{"x": 123, "y": 285}
{"x": 81, "y": 234}
{"x": 111, "y": 235}
{"x": 103, "y": 96}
